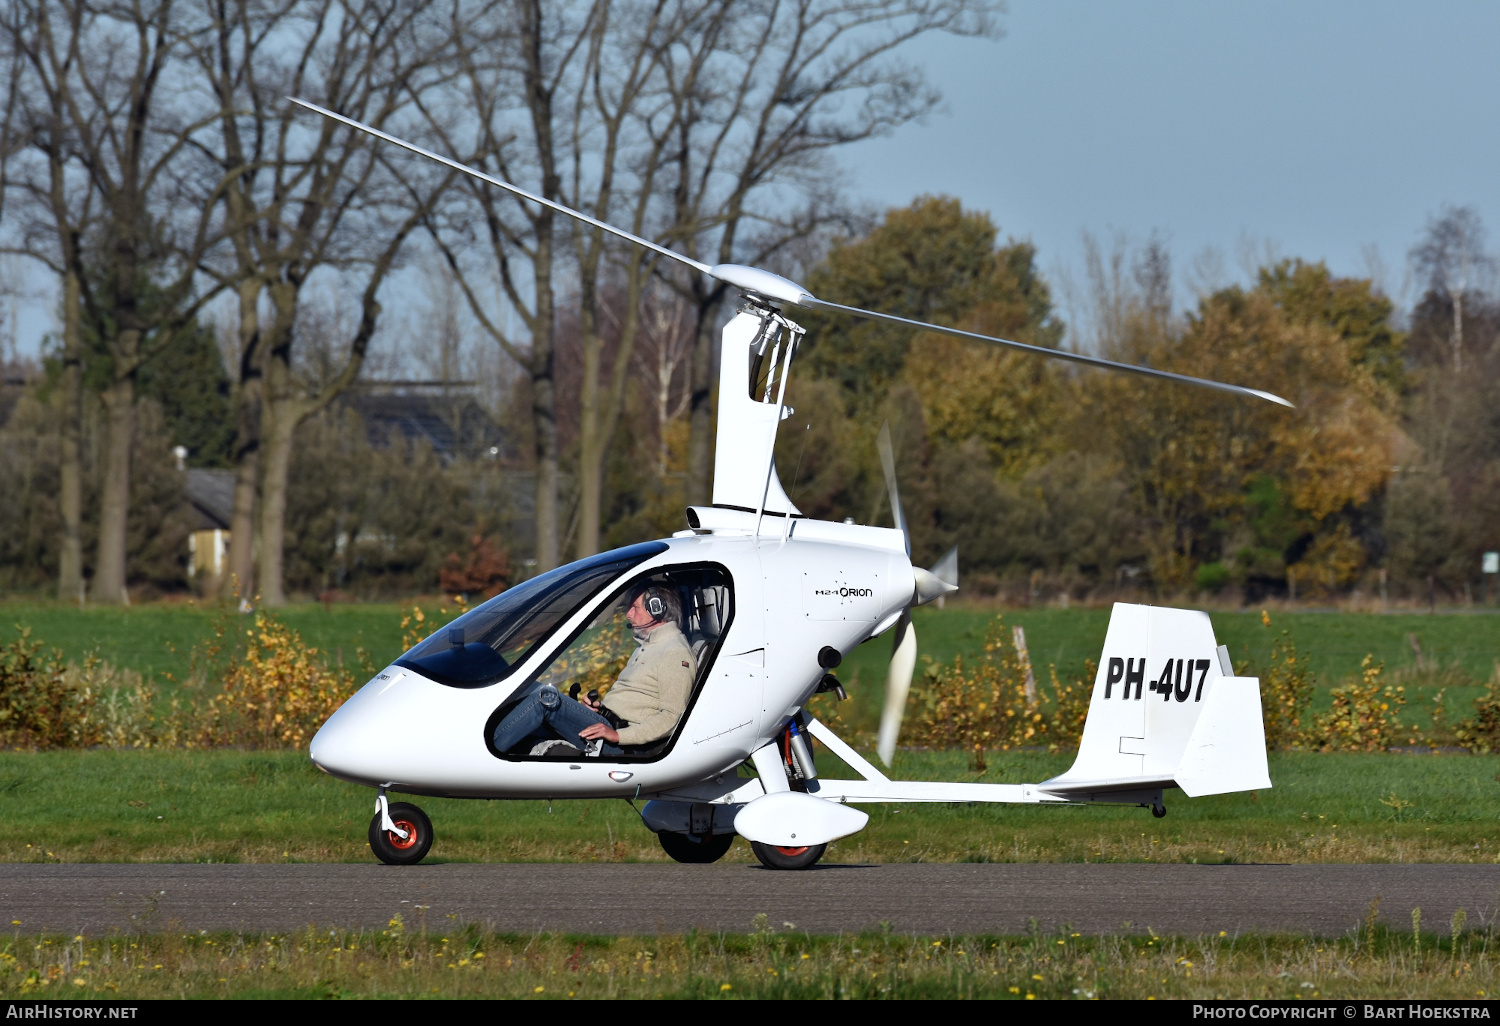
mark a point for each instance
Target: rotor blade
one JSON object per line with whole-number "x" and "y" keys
{"x": 586, "y": 219}
{"x": 888, "y": 465}
{"x": 1059, "y": 354}
{"x": 897, "y": 687}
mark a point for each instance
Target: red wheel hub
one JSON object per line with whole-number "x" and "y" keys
{"x": 792, "y": 852}
{"x": 402, "y": 843}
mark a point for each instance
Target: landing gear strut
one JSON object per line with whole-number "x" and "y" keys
{"x": 400, "y": 833}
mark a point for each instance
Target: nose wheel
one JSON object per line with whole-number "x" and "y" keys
{"x": 390, "y": 846}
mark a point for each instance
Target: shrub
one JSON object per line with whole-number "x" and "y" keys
{"x": 595, "y": 661}
{"x": 115, "y": 708}
{"x": 1481, "y": 732}
{"x": 1211, "y": 577}
{"x": 45, "y": 703}
{"x": 486, "y": 573}
{"x": 1364, "y": 714}
{"x": 983, "y": 705}
{"x": 1286, "y": 690}
{"x": 37, "y": 707}
{"x": 276, "y": 693}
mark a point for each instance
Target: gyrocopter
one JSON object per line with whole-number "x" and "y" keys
{"x": 764, "y": 604}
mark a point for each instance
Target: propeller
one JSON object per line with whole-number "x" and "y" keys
{"x": 946, "y": 570}
{"x": 774, "y": 288}
{"x": 931, "y": 584}
{"x": 904, "y": 639}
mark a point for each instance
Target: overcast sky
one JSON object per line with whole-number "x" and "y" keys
{"x": 1321, "y": 128}
{"x": 1327, "y": 130}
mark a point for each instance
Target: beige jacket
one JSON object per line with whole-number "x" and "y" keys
{"x": 652, "y": 691}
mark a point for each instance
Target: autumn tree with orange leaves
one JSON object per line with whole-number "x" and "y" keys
{"x": 1258, "y": 491}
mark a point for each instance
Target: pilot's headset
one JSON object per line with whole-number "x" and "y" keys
{"x": 654, "y": 603}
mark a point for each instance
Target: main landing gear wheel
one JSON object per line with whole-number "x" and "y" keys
{"x": 395, "y": 850}
{"x": 695, "y": 850}
{"x": 777, "y": 857}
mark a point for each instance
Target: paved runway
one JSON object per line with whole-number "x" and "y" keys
{"x": 935, "y": 899}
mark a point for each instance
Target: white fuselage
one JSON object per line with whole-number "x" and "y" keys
{"x": 797, "y": 588}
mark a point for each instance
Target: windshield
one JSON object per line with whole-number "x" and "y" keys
{"x": 486, "y": 643}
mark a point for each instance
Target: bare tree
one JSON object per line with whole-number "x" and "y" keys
{"x": 666, "y": 345}
{"x": 1456, "y": 271}
{"x": 1452, "y": 260}
{"x": 515, "y": 68}
{"x": 305, "y": 195}
{"x": 623, "y": 90}
{"x": 128, "y": 219}
{"x": 582, "y": 76}
{"x": 763, "y": 96}
{"x": 679, "y": 116}
{"x": 57, "y": 206}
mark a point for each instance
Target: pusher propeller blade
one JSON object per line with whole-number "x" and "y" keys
{"x": 888, "y": 466}
{"x": 946, "y": 569}
{"x": 944, "y": 574}
{"x": 897, "y": 686}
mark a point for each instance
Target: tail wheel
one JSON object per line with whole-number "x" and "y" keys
{"x": 774, "y": 856}
{"x": 395, "y": 850}
{"x": 695, "y": 850}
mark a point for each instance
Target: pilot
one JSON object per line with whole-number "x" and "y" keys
{"x": 642, "y": 706}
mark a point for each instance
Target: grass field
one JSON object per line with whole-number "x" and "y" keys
{"x": 244, "y": 806}
{"x": 1450, "y": 961}
{"x": 232, "y": 806}
{"x": 157, "y": 639}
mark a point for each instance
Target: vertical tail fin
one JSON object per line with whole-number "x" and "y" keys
{"x": 1166, "y": 712}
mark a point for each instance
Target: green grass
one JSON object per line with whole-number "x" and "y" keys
{"x": 158, "y": 639}
{"x": 125, "y": 806}
{"x": 453, "y": 961}
{"x": 1333, "y": 642}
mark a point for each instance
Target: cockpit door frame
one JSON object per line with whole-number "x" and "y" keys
{"x": 597, "y": 603}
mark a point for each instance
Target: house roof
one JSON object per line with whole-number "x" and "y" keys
{"x": 454, "y": 425}
{"x": 211, "y": 494}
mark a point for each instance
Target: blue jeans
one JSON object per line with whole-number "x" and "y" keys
{"x": 546, "y": 706}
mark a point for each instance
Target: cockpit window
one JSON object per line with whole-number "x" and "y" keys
{"x": 486, "y": 644}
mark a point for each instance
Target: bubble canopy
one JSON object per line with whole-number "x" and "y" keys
{"x": 485, "y": 645}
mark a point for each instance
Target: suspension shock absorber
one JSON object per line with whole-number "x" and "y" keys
{"x": 802, "y": 759}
